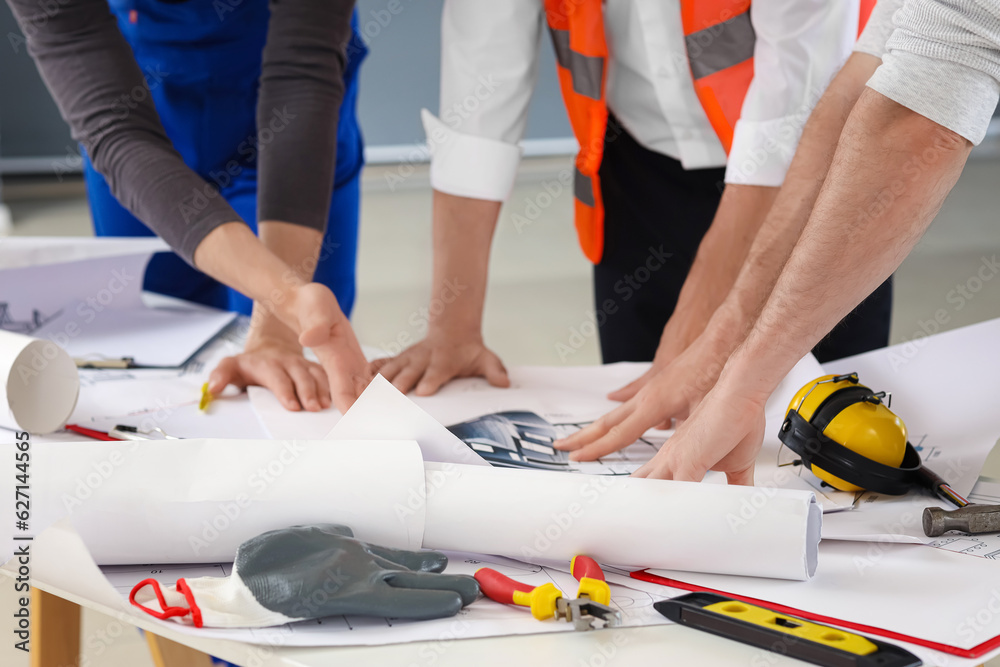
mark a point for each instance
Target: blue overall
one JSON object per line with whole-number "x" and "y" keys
{"x": 202, "y": 61}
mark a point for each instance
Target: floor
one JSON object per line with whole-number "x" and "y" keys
{"x": 539, "y": 292}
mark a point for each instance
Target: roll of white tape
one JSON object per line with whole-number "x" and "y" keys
{"x": 39, "y": 384}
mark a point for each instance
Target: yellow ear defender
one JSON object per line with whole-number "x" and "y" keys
{"x": 847, "y": 435}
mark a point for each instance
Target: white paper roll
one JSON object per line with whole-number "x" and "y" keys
{"x": 697, "y": 527}
{"x": 39, "y": 384}
{"x": 193, "y": 501}
{"x": 196, "y": 501}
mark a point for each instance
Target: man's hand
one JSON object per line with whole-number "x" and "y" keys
{"x": 273, "y": 356}
{"x": 671, "y": 393}
{"x": 279, "y": 366}
{"x": 322, "y": 326}
{"x": 724, "y": 433}
{"x": 439, "y": 358}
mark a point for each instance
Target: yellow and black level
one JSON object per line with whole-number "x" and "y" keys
{"x": 781, "y": 633}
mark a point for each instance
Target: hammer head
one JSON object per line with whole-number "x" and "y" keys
{"x": 974, "y": 519}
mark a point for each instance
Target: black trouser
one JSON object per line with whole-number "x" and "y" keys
{"x": 655, "y": 215}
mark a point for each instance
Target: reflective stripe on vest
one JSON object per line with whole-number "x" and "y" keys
{"x": 719, "y": 39}
{"x": 577, "y": 29}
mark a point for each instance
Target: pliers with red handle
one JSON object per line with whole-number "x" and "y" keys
{"x": 588, "y": 611}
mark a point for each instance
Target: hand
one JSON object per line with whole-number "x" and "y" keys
{"x": 279, "y": 366}
{"x": 315, "y": 315}
{"x": 671, "y": 393}
{"x": 682, "y": 329}
{"x": 432, "y": 362}
{"x": 724, "y": 433}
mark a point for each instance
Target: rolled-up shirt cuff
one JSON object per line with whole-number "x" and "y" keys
{"x": 465, "y": 165}
{"x": 955, "y": 96}
{"x": 762, "y": 150}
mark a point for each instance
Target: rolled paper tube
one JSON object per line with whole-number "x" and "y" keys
{"x": 39, "y": 384}
{"x": 698, "y": 527}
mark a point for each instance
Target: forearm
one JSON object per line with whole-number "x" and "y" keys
{"x": 720, "y": 255}
{"x": 300, "y": 248}
{"x": 234, "y": 256}
{"x": 794, "y": 202}
{"x": 463, "y": 234}
{"x": 891, "y": 173}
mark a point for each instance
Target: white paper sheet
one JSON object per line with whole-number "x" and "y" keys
{"x": 229, "y": 416}
{"x": 943, "y": 387}
{"x": 383, "y": 412}
{"x": 279, "y": 422}
{"x": 39, "y": 384}
{"x": 929, "y": 656}
{"x": 94, "y": 307}
{"x": 622, "y": 520}
{"x": 986, "y": 492}
{"x": 926, "y": 593}
{"x": 558, "y": 401}
{"x": 22, "y": 251}
{"x": 153, "y": 337}
{"x": 197, "y": 500}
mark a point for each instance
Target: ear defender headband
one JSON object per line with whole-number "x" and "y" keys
{"x": 846, "y": 434}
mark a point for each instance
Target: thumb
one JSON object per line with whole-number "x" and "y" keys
{"x": 225, "y": 374}
{"x": 315, "y": 333}
{"x": 495, "y": 372}
{"x": 741, "y": 477}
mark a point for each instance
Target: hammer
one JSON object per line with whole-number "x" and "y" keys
{"x": 974, "y": 519}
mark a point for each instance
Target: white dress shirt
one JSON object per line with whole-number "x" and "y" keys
{"x": 489, "y": 66}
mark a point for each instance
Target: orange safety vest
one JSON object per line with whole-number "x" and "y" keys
{"x": 720, "y": 43}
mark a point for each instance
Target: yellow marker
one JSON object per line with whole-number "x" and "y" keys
{"x": 206, "y": 398}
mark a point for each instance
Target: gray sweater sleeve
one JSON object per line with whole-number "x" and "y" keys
{"x": 943, "y": 62}
{"x": 90, "y": 71}
{"x": 302, "y": 86}
{"x": 879, "y": 27}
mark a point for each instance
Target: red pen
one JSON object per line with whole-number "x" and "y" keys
{"x": 91, "y": 433}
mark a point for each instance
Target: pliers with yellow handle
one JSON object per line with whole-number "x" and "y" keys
{"x": 588, "y": 611}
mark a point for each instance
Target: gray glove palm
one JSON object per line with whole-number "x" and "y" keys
{"x": 306, "y": 572}
{"x": 321, "y": 570}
